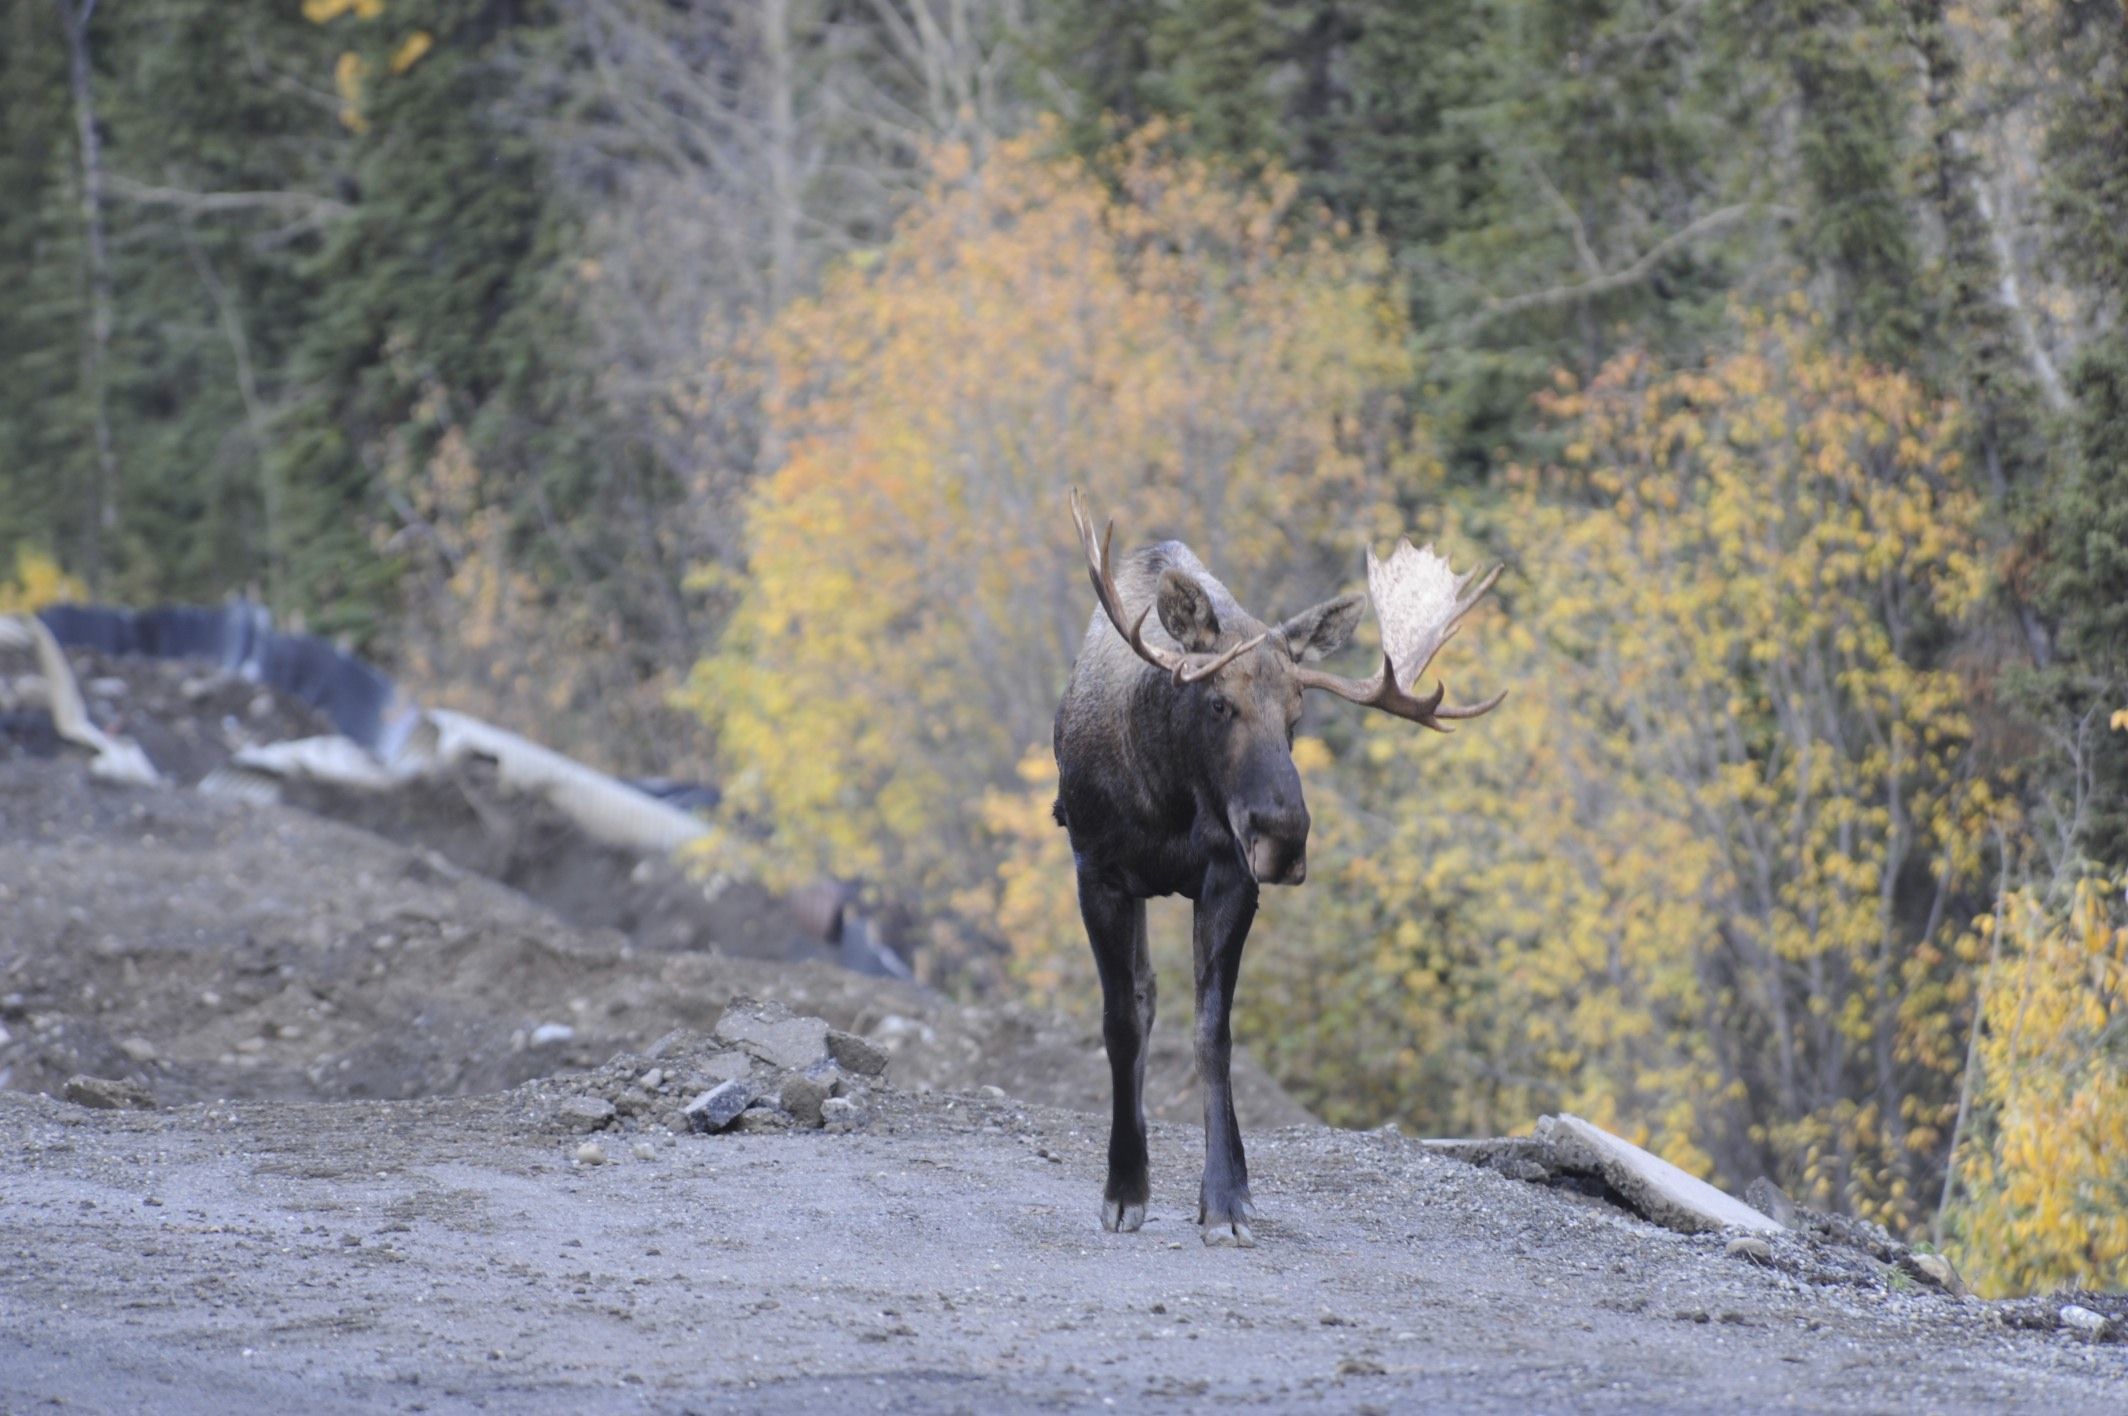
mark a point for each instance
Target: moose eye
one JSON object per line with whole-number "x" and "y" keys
{"x": 1221, "y": 709}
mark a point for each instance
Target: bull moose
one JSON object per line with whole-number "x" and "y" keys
{"x": 1174, "y": 747}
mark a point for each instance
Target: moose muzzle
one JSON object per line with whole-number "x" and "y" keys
{"x": 1276, "y": 846}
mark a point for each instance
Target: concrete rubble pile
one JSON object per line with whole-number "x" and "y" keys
{"x": 762, "y": 1068}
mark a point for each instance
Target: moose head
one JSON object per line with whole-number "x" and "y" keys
{"x": 1238, "y": 686}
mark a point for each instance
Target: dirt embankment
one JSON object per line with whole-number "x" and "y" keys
{"x": 220, "y": 949}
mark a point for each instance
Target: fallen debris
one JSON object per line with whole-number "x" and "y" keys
{"x": 1565, "y": 1149}
{"x": 1649, "y": 1185}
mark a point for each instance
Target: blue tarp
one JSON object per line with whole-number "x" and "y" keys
{"x": 240, "y": 637}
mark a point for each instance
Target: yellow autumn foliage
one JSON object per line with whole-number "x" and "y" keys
{"x": 2044, "y": 1178}
{"x": 37, "y": 581}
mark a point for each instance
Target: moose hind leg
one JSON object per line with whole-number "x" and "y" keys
{"x": 1115, "y": 925}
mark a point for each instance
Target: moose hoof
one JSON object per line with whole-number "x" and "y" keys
{"x": 1120, "y": 1218}
{"x": 1226, "y": 1234}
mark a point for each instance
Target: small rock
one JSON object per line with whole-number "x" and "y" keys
{"x": 1361, "y": 1367}
{"x": 107, "y": 1094}
{"x": 1756, "y": 1250}
{"x": 718, "y": 1107}
{"x": 591, "y": 1153}
{"x": 994, "y": 1093}
{"x": 853, "y": 1054}
{"x": 764, "y": 1118}
{"x": 644, "y": 1150}
{"x": 138, "y": 1048}
{"x": 842, "y": 1113}
{"x": 2077, "y": 1318}
{"x": 1938, "y": 1270}
{"x": 651, "y": 1080}
{"x": 803, "y": 1097}
{"x": 1772, "y": 1201}
{"x": 548, "y": 1033}
{"x": 587, "y": 1113}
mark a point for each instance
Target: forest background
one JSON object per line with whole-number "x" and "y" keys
{"x": 694, "y": 384}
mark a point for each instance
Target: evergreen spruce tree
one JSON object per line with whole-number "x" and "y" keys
{"x": 2085, "y": 527}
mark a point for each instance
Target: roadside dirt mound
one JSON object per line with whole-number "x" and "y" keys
{"x": 218, "y": 949}
{"x": 465, "y": 816}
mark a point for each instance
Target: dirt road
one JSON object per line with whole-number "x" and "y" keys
{"x": 452, "y": 1255}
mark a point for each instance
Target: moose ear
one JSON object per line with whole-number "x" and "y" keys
{"x": 1186, "y": 612}
{"x": 1322, "y": 630}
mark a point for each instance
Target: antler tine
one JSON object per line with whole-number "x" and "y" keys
{"x": 1100, "y": 570}
{"x": 1206, "y": 670}
{"x": 1474, "y": 710}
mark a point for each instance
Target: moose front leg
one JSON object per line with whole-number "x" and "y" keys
{"x": 1115, "y": 925}
{"x": 1226, "y": 907}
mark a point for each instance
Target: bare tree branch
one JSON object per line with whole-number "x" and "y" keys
{"x": 307, "y": 204}
{"x": 1632, "y": 274}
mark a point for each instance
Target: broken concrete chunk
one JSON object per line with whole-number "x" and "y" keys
{"x": 718, "y": 1107}
{"x": 108, "y": 1094}
{"x": 1651, "y": 1186}
{"x": 724, "y": 1066}
{"x": 853, "y": 1054}
{"x": 586, "y": 1113}
{"x": 773, "y": 1033}
{"x": 803, "y": 1096}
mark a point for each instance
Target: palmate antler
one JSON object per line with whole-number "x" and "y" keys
{"x": 1187, "y": 668}
{"x": 1420, "y": 603}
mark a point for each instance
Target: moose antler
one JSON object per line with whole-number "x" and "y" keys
{"x": 1186, "y": 668}
{"x": 1420, "y": 603}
